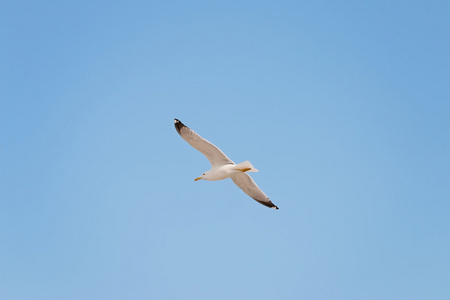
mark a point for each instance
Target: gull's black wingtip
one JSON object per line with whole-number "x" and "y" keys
{"x": 178, "y": 125}
{"x": 268, "y": 204}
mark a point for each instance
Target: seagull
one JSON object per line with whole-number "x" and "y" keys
{"x": 222, "y": 167}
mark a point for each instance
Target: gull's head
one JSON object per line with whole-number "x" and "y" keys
{"x": 204, "y": 175}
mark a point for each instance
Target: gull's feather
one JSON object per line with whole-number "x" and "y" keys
{"x": 215, "y": 156}
{"x": 246, "y": 183}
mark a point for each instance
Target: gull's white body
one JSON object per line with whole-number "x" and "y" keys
{"x": 226, "y": 171}
{"x": 220, "y": 173}
{"x": 222, "y": 167}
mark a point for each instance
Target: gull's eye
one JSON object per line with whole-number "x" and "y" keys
{"x": 204, "y": 173}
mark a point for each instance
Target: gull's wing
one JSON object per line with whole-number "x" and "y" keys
{"x": 246, "y": 183}
{"x": 215, "y": 156}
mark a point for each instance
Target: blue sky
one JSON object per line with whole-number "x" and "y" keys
{"x": 342, "y": 106}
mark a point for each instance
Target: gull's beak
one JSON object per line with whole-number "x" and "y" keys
{"x": 198, "y": 178}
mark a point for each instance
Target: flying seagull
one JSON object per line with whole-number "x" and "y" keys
{"x": 222, "y": 167}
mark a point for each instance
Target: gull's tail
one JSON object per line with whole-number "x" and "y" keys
{"x": 245, "y": 166}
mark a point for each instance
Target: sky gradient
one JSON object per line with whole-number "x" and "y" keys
{"x": 342, "y": 106}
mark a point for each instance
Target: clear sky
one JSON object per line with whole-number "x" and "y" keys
{"x": 343, "y": 106}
